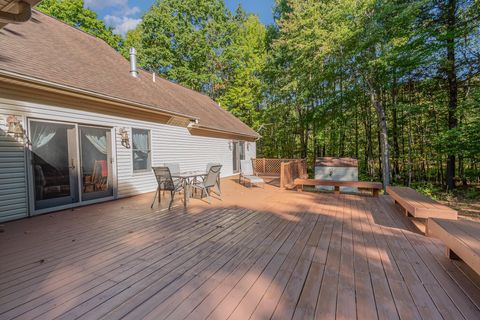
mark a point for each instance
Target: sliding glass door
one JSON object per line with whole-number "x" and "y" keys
{"x": 70, "y": 164}
{"x": 238, "y": 154}
{"x": 54, "y": 164}
{"x": 95, "y": 159}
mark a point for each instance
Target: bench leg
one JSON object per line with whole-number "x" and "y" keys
{"x": 375, "y": 192}
{"x": 450, "y": 254}
{"x": 300, "y": 187}
{"x": 337, "y": 190}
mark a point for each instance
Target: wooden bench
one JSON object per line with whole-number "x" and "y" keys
{"x": 461, "y": 239}
{"x": 374, "y": 186}
{"x": 418, "y": 205}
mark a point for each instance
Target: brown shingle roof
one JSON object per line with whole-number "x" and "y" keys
{"x": 47, "y": 49}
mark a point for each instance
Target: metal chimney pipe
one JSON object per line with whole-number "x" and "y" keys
{"x": 133, "y": 63}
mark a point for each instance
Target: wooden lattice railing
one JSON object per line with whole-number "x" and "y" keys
{"x": 292, "y": 170}
{"x": 268, "y": 166}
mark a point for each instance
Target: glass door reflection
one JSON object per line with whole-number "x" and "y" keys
{"x": 54, "y": 161}
{"x": 95, "y": 160}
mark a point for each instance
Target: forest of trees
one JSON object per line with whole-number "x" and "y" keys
{"x": 395, "y": 83}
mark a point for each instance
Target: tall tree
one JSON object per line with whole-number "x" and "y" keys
{"x": 74, "y": 13}
{"x": 245, "y": 60}
{"x": 184, "y": 40}
{"x": 452, "y": 29}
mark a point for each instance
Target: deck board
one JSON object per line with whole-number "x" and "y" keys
{"x": 257, "y": 254}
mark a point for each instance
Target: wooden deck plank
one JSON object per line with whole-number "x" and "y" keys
{"x": 285, "y": 245}
{"x": 125, "y": 270}
{"x": 254, "y": 246}
{"x": 327, "y": 299}
{"x": 346, "y": 307}
{"x": 105, "y": 251}
{"x": 460, "y": 294}
{"x": 268, "y": 247}
{"x": 268, "y": 303}
{"x": 96, "y": 270}
{"x": 171, "y": 269}
{"x": 102, "y": 238}
{"x": 259, "y": 253}
{"x": 402, "y": 297}
{"x": 365, "y": 298}
{"x": 450, "y": 300}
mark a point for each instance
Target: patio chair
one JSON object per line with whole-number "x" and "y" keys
{"x": 246, "y": 173}
{"x": 165, "y": 182}
{"x": 174, "y": 167}
{"x": 209, "y": 165}
{"x": 209, "y": 182}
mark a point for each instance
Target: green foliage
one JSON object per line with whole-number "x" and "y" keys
{"x": 74, "y": 13}
{"x": 184, "y": 41}
{"x": 133, "y": 39}
{"x": 332, "y": 63}
{"x": 328, "y": 78}
{"x": 245, "y": 58}
{"x": 201, "y": 45}
{"x": 472, "y": 194}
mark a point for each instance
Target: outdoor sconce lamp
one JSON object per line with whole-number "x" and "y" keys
{"x": 15, "y": 128}
{"x": 248, "y": 146}
{"x": 230, "y": 144}
{"x": 125, "y": 139}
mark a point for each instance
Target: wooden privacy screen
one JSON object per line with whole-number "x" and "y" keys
{"x": 287, "y": 169}
{"x": 292, "y": 170}
{"x": 268, "y": 167}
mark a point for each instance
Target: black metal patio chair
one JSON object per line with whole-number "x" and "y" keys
{"x": 167, "y": 183}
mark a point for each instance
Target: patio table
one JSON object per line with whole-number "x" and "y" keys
{"x": 187, "y": 178}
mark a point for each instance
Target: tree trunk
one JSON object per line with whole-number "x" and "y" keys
{"x": 368, "y": 139}
{"x": 396, "y": 148}
{"x": 356, "y": 132}
{"x": 382, "y": 126}
{"x": 452, "y": 86}
{"x": 410, "y": 158}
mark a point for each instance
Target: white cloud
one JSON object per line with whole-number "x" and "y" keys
{"x": 100, "y": 4}
{"x": 122, "y": 16}
{"x": 121, "y": 25}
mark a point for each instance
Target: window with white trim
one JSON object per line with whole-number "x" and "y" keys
{"x": 141, "y": 149}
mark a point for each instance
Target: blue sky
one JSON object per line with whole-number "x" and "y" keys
{"x": 124, "y": 15}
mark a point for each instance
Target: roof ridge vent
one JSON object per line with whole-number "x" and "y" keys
{"x": 133, "y": 62}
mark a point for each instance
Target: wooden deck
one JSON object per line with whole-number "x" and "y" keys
{"x": 259, "y": 254}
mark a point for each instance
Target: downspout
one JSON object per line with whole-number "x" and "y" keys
{"x": 24, "y": 14}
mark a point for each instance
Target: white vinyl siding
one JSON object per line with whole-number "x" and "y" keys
{"x": 168, "y": 144}
{"x": 13, "y": 184}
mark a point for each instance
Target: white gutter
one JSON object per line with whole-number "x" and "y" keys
{"x": 235, "y": 133}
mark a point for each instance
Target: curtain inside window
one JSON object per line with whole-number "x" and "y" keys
{"x": 140, "y": 149}
{"x": 42, "y": 134}
{"x": 98, "y": 140}
{"x": 140, "y": 141}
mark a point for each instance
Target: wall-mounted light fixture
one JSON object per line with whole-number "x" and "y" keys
{"x": 14, "y": 127}
{"x": 230, "y": 145}
{"x": 124, "y": 136}
{"x": 248, "y": 146}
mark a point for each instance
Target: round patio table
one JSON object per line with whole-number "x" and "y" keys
{"x": 187, "y": 178}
